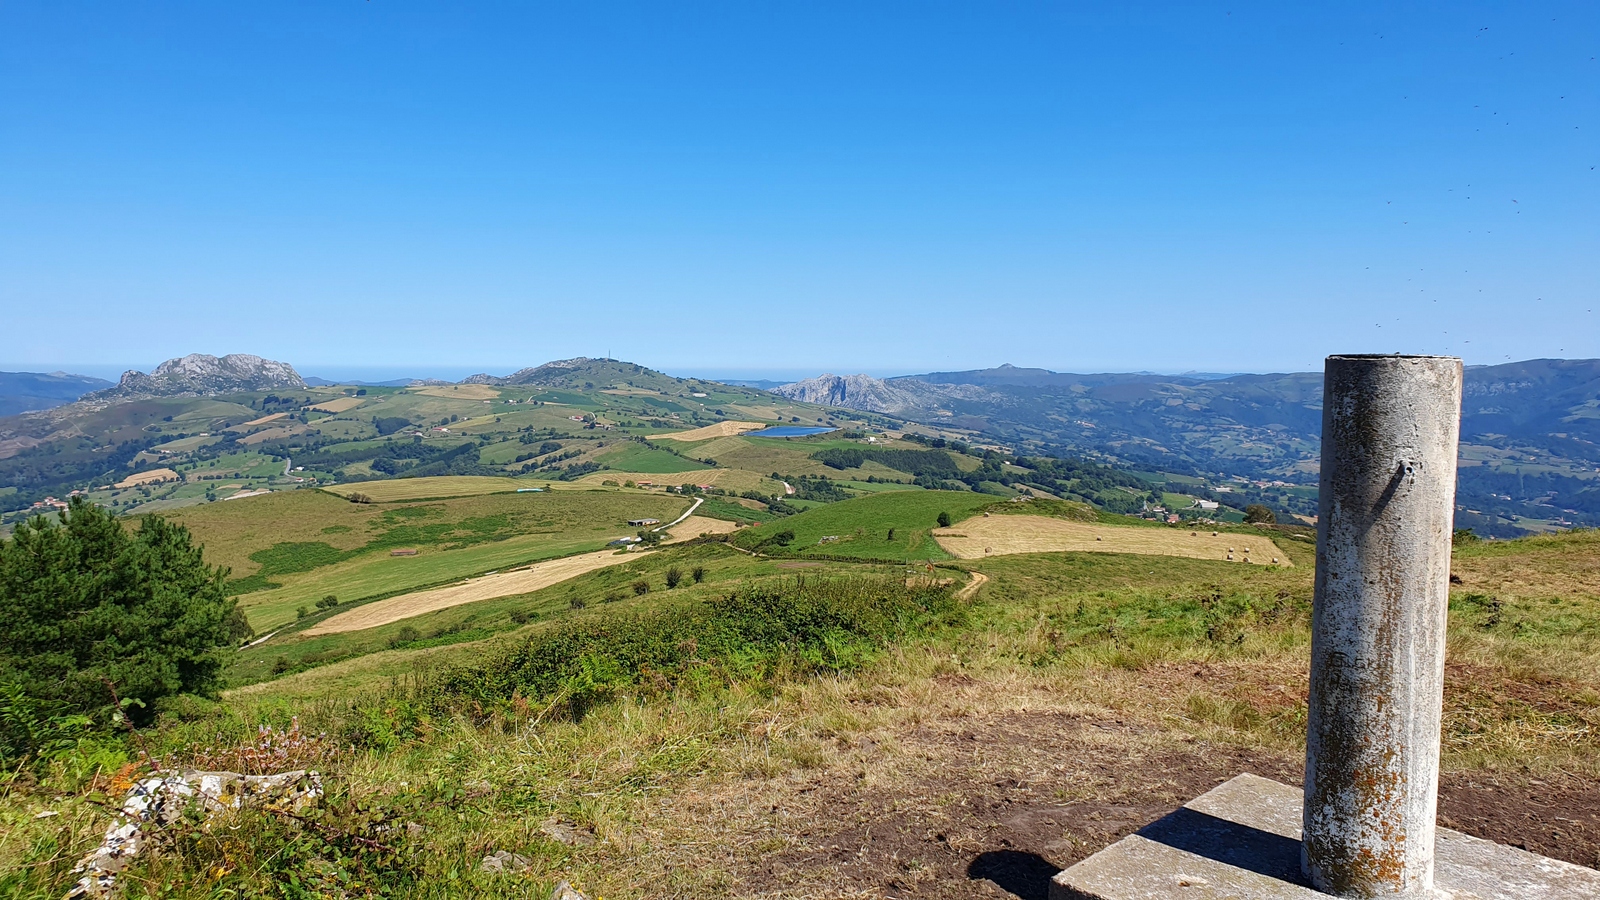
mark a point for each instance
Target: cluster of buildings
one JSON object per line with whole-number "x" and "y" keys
{"x": 50, "y": 503}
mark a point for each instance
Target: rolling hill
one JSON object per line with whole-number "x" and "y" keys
{"x": 1530, "y": 430}
{"x": 26, "y": 391}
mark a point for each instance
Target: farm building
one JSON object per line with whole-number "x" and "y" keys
{"x": 638, "y": 522}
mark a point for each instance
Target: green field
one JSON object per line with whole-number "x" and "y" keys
{"x": 289, "y": 549}
{"x": 862, "y": 525}
{"x": 634, "y": 457}
{"x": 443, "y": 486}
{"x": 469, "y": 629}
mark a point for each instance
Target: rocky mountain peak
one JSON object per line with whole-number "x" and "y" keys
{"x": 199, "y": 375}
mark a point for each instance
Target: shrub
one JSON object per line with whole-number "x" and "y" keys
{"x": 578, "y": 603}
{"x": 758, "y": 630}
{"x": 300, "y": 612}
{"x": 88, "y": 602}
{"x": 674, "y": 576}
{"x": 358, "y": 498}
{"x": 698, "y": 573}
{"x": 641, "y": 587}
{"x": 406, "y": 635}
{"x": 328, "y": 602}
{"x": 944, "y": 520}
{"x": 1256, "y": 514}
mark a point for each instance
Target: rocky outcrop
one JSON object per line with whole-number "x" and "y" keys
{"x": 200, "y": 375}
{"x": 899, "y": 396}
{"x": 550, "y": 371}
{"x": 157, "y": 803}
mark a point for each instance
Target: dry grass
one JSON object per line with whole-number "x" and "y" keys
{"x": 153, "y": 476}
{"x": 340, "y": 405}
{"x": 695, "y": 526}
{"x": 273, "y": 434}
{"x": 1031, "y": 733}
{"x": 458, "y": 391}
{"x": 707, "y": 432}
{"x": 270, "y": 417}
{"x": 728, "y": 479}
{"x": 398, "y": 489}
{"x": 1000, "y": 535}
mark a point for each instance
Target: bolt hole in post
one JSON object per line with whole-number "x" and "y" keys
{"x": 1378, "y": 623}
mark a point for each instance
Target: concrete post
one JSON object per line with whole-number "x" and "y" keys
{"x": 1390, "y": 425}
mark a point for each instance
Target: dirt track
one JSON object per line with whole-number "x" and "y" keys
{"x": 998, "y": 535}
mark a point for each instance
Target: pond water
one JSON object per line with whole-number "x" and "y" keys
{"x": 790, "y": 431}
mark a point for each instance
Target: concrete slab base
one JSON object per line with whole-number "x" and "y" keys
{"x": 1241, "y": 841}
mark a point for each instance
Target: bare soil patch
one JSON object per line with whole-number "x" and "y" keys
{"x": 999, "y": 806}
{"x": 151, "y": 477}
{"x": 998, "y": 535}
{"x": 706, "y": 433}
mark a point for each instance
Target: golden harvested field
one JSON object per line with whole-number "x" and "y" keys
{"x": 694, "y": 526}
{"x": 150, "y": 477}
{"x": 459, "y": 391}
{"x": 338, "y": 406}
{"x": 1000, "y": 535}
{"x": 270, "y": 434}
{"x": 706, "y": 433}
{"x": 438, "y": 486}
{"x": 486, "y": 587}
{"x": 271, "y": 417}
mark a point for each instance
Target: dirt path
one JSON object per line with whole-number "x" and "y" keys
{"x": 501, "y": 584}
{"x": 971, "y": 589}
{"x": 997, "y": 535}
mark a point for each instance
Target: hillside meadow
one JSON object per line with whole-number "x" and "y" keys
{"x": 287, "y": 550}
{"x": 822, "y": 728}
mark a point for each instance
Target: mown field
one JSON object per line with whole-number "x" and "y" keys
{"x": 289, "y": 549}
{"x": 765, "y": 733}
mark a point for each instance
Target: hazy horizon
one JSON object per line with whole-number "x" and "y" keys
{"x": 380, "y": 373}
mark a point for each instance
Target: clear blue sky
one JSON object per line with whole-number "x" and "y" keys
{"x": 797, "y": 187}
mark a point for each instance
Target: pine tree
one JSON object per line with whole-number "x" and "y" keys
{"x": 87, "y": 604}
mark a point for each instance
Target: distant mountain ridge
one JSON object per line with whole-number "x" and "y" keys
{"x": 200, "y": 375}
{"x": 1530, "y": 429}
{"x": 27, "y": 391}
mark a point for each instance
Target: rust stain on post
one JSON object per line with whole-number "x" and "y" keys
{"x": 1390, "y": 426}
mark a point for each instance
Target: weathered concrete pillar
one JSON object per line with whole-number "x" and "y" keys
{"x": 1390, "y": 425}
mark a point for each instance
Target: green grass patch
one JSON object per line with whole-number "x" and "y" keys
{"x": 863, "y": 526}
{"x": 634, "y": 457}
{"x": 718, "y": 508}
{"x": 754, "y": 632}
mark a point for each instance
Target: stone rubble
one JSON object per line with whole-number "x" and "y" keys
{"x": 159, "y": 801}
